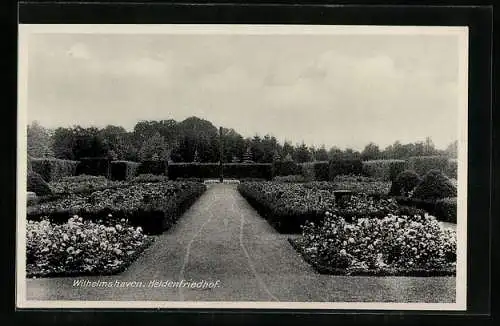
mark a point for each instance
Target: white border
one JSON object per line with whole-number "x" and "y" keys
{"x": 461, "y": 32}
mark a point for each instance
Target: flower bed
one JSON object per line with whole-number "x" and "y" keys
{"x": 287, "y": 206}
{"x": 393, "y": 245}
{"x": 84, "y": 185}
{"x": 81, "y": 247}
{"x": 153, "y": 206}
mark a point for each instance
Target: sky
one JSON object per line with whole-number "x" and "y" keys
{"x": 336, "y": 90}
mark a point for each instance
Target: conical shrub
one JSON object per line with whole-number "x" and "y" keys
{"x": 405, "y": 183}
{"x": 435, "y": 185}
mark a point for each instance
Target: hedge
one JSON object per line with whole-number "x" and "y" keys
{"x": 345, "y": 167}
{"x": 405, "y": 183}
{"x": 94, "y": 166}
{"x": 248, "y": 170}
{"x": 36, "y": 184}
{"x": 212, "y": 170}
{"x": 153, "y": 167}
{"x": 316, "y": 171}
{"x": 123, "y": 170}
{"x": 435, "y": 185}
{"x": 444, "y": 209}
{"x": 284, "y": 168}
{"x": 386, "y": 170}
{"x": 424, "y": 164}
{"x": 52, "y": 169}
{"x": 153, "y": 213}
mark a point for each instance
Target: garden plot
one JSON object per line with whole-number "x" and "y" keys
{"x": 360, "y": 234}
{"x": 101, "y": 232}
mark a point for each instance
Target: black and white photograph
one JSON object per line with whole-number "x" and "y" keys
{"x": 242, "y": 166}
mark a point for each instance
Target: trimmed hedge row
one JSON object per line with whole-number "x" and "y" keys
{"x": 152, "y": 167}
{"x": 52, "y": 169}
{"x": 94, "y": 166}
{"x": 123, "y": 170}
{"x": 443, "y": 209}
{"x": 251, "y": 170}
{"x": 424, "y": 164}
{"x": 212, "y": 170}
{"x": 386, "y": 170}
{"x": 155, "y": 207}
{"x": 284, "y": 168}
{"x": 345, "y": 167}
{"x": 316, "y": 171}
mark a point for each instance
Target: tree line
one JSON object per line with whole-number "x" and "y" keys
{"x": 197, "y": 140}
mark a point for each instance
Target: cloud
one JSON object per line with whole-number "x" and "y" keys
{"x": 329, "y": 90}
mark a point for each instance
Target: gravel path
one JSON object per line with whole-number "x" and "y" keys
{"x": 222, "y": 238}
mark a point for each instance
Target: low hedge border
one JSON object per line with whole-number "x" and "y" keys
{"x": 154, "y": 217}
{"x": 282, "y": 224}
{"x": 327, "y": 270}
{"x": 444, "y": 210}
{"x": 115, "y": 270}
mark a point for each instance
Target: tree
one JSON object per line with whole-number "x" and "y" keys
{"x": 247, "y": 157}
{"x": 302, "y": 154}
{"x": 196, "y": 134}
{"x": 257, "y": 147}
{"x": 288, "y": 149}
{"x": 154, "y": 148}
{"x": 335, "y": 153}
{"x": 63, "y": 141}
{"x": 321, "y": 154}
{"x": 370, "y": 152}
{"x": 429, "y": 148}
{"x": 452, "y": 149}
{"x": 39, "y": 141}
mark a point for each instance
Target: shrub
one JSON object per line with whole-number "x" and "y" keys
{"x": 123, "y": 170}
{"x": 52, "y": 169}
{"x": 316, "y": 171}
{"x": 446, "y": 210}
{"x": 338, "y": 167}
{"x": 386, "y": 170}
{"x": 153, "y": 167}
{"x": 94, "y": 166}
{"x": 149, "y": 178}
{"x": 405, "y": 183}
{"x": 451, "y": 169}
{"x": 37, "y": 185}
{"x": 284, "y": 168}
{"x": 435, "y": 185}
{"x": 424, "y": 164}
{"x": 392, "y": 243}
{"x": 290, "y": 178}
{"x": 81, "y": 247}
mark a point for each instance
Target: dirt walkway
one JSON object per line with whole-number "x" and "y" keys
{"x": 222, "y": 238}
